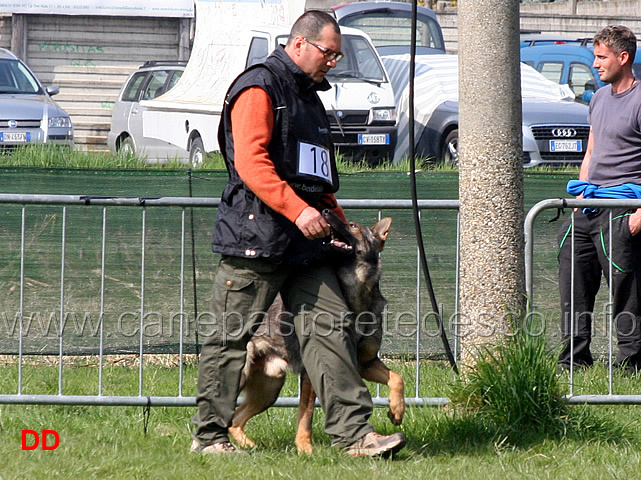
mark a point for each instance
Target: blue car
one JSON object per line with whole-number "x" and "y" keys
{"x": 636, "y": 66}
{"x": 569, "y": 63}
{"x": 565, "y": 63}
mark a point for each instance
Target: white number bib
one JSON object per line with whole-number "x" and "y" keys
{"x": 314, "y": 160}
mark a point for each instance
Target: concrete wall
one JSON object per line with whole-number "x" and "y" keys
{"x": 569, "y": 18}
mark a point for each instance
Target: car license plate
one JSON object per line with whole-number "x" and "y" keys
{"x": 566, "y": 146}
{"x": 373, "y": 139}
{"x": 18, "y": 137}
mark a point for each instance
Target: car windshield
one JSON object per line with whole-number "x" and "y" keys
{"x": 387, "y": 27}
{"x": 360, "y": 61}
{"x": 16, "y": 78}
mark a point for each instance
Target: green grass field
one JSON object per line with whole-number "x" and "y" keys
{"x": 123, "y": 443}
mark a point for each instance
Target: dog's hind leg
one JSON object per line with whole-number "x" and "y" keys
{"x": 305, "y": 415}
{"x": 262, "y": 388}
{"x": 376, "y": 371}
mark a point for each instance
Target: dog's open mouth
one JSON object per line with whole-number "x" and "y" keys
{"x": 338, "y": 243}
{"x": 339, "y": 237}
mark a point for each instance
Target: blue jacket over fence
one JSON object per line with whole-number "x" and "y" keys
{"x": 626, "y": 190}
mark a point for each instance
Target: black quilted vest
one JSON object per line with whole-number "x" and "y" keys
{"x": 303, "y": 155}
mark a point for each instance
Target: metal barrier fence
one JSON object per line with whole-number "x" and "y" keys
{"x": 68, "y": 289}
{"x": 575, "y": 206}
{"x": 145, "y": 294}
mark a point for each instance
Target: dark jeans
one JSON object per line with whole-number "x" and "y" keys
{"x": 328, "y": 345}
{"x": 592, "y": 242}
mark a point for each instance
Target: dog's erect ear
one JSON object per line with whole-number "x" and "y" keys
{"x": 381, "y": 230}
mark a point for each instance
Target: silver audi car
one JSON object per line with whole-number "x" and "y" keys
{"x": 28, "y": 115}
{"x": 554, "y": 126}
{"x": 554, "y": 133}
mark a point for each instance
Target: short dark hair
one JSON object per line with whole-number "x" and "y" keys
{"x": 618, "y": 39}
{"x": 310, "y": 24}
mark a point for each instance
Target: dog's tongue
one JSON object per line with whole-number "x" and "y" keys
{"x": 338, "y": 244}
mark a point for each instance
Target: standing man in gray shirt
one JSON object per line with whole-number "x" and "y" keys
{"x": 611, "y": 168}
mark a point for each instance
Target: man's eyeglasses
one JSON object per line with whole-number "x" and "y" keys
{"x": 329, "y": 54}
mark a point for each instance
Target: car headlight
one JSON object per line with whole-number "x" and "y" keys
{"x": 59, "y": 122}
{"x": 386, "y": 115}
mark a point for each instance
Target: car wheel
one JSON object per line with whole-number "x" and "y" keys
{"x": 196, "y": 152}
{"x": 127, "y": 147}
{"x": 449, "y": 154}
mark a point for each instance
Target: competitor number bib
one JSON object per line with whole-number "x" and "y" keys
{"x": 314, "y": 160}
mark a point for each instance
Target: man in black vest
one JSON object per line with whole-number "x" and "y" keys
{"x": 276, "y": 141}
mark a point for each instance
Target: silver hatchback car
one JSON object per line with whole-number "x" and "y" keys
{"x": 28, "y": 115}
{"x": 126, "y": 136}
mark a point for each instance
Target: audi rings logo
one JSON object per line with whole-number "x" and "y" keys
{"x": 564, "y": 132}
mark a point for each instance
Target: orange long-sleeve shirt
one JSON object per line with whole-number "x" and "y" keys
{"x": 253, "y": 122}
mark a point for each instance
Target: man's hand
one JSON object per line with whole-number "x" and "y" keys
{"x": 312, "y": 224}
{"x": 634, "y": 222}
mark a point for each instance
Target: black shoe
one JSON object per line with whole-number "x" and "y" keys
{"x": 627, "y": 368}
{"x": 565, "y": 367}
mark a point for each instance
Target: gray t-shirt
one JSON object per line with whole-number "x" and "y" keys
{"x": 616, "y": 131}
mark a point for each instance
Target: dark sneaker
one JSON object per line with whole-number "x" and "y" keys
{"x": 626, "y": 368}
{"x": 376, "y": 445}
{"x": 220, "y": 448}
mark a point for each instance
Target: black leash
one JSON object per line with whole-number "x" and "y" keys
{"x": 417, "y": 223}
{"x": 146, "y": 413}
{"x": 559, "y": 211}
{"x": 193, "y": 266}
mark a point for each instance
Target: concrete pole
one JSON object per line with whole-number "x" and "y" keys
{"x": 491, "y": 172}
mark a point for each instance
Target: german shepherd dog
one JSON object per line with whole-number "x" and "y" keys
{"x": 274, "y": 348}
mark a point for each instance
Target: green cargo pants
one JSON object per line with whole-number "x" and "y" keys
{"x": 245, "y": 286}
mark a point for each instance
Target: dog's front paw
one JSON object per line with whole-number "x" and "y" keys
{"x": 240, "y": 438}
{"x": 396, "y": 417}
{"x": 396, "y": 398}
{"x": 303, "y": 445}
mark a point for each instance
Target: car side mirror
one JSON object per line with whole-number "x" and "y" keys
{"x": 588, "y": 92}
{"x": 52, "y": 90}
{"x": 587, "y": 95}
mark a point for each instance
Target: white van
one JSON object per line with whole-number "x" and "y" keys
{"x": 360, "y": 106}
{"x": 229, "y": 37}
